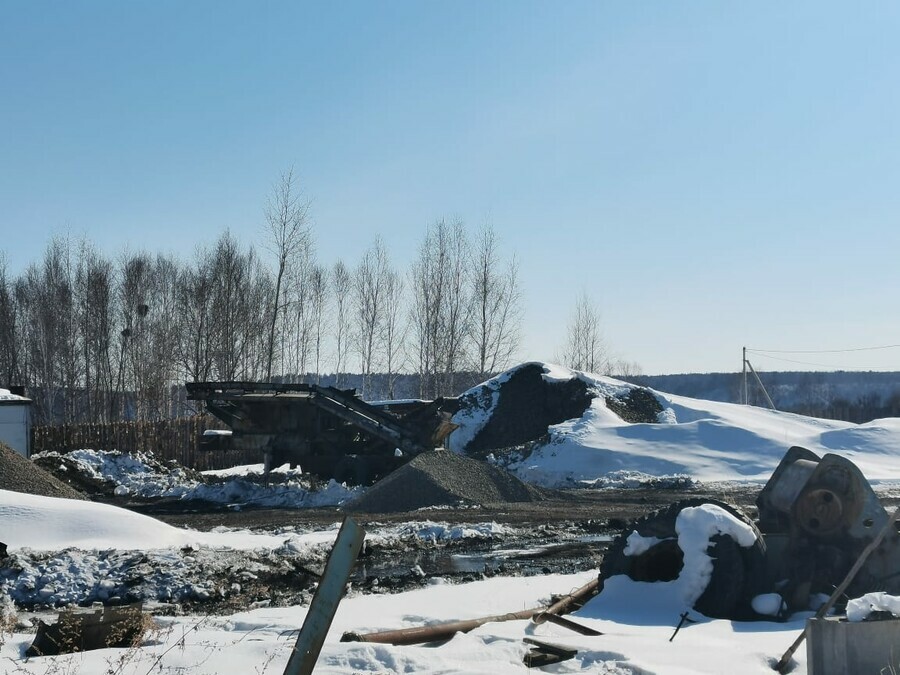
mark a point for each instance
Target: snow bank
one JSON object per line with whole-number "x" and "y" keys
{"x": 691, "y": 439}
{"x": 141, "y": 476}
{"x": 51, "y": 524}
{"x": 859, "y": 609}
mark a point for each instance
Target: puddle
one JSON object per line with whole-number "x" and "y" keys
{"x": 533, "y": 557}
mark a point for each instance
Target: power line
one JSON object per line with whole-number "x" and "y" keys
{"x": 820, "y": 351}
{"x": 807, "y": 363}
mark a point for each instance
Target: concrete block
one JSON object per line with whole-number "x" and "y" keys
{"x": 835, "y": 646}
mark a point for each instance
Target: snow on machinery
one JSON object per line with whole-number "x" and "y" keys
{"x": 816, "y": 517}
{"x": 329, "y": 432}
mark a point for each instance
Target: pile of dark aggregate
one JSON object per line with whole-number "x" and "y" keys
{"x": 527, "y": 404}
{"x": 444, "y": 478}
{"x": 19, "y": 474}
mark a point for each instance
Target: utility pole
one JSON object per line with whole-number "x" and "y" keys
{"x": 745, "y": 399}
{"x": 745, "y": 392}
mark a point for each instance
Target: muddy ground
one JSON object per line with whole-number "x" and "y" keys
{"x": 565, "y": 534}
{"x": 568, "y": 533}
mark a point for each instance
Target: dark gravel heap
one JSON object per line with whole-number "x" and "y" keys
{"x": 526, "y": 406}
{"x": 22, "y": 475}
{"x": 640, "y": 406}
{"x": 443, "y": 478}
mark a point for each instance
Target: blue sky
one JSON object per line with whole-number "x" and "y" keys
{"x": 713, "y": 174}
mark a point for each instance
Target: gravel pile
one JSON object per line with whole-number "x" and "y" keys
{"x": 22, "y": 475}
{"x": 443, "y": 478}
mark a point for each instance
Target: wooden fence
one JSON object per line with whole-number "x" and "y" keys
{"x": 176, "y": 439}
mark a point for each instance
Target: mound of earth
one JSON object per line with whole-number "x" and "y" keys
{"x": 22, "y": 475}
{"x": 527, "y": 404}
{"x": 443, "y": 478}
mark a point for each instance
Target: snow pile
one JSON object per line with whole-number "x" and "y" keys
{"x": 7, "y": 395}
{"x": 48, "y": 524}
{"x": 637, "y": 479}
{"x": 703, "y": 440}
{"x": 859, "y": 609}
{"x": 140, "y": 475}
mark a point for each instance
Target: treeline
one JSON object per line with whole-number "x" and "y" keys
{"x": 100, "y": 339}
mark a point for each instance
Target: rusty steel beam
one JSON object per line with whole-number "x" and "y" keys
{"x": 571, "y": 625}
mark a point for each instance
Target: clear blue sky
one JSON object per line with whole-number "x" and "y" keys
{"x": 713, "y": 174}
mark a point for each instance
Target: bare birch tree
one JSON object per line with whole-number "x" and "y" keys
{"x": 319, "y": 300}
{"x": 195, "y": 313}
{"x": 287, "y": 214}
{"x": 341, "y": 284}
{"x": 10, "y": 370}
{"x": 496, "y": 306}
{"x": 394, "y": 328}
{"x": 95, "y": 288}
{"x": 441, "y": 306}
{"x": 368, "y": 301}
{"x": 585, "y": 349}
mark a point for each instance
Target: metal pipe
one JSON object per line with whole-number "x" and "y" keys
{"x": 563, "y": 605}
{"x": 434, "y": 632}
{"x": 445, "y": 631}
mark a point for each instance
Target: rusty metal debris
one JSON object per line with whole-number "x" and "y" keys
{"x": 445, "y": 631}
{"x": 544, "y": 653}
{"x": 568, "y": 603}
{"x": 886, "y": 529}
{"x": 325, "y": 602}
{"x": 817, "y": 516}
{"x": 683, "y": 619}
{"x": 571, "y": 625}
{"x": 329, "y": 432}
{"x": 79, "y": 630}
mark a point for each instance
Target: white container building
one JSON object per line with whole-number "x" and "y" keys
{"x": 15, "y": 422}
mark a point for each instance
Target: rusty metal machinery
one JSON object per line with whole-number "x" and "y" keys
{"x": 329, "y": 432}
{"x": 816, "y": 517}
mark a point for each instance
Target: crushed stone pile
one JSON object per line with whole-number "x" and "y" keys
{"x": 527, "y": 404}
{"x": 444, "y": 478}
{"x": 22, "y": 475}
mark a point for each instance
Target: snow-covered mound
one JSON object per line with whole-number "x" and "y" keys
{"x": 48, "y": 523}
{"x": 142, "y": 476}
{"x": 703, "y": 440}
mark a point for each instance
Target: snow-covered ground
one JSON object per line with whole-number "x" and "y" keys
{"x": 701, "y": 440}
{"x": 637, "y": 619}
{"x": 140, "y": 476}
{"x": 87, "y": 548}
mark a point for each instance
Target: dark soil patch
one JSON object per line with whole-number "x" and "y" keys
{"x": 22, "y": 475}
{"x": 527, "y": 405}
{"x": 639, "y": 406}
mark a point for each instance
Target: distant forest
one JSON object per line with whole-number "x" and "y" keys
{"x": 851, "y": 396}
